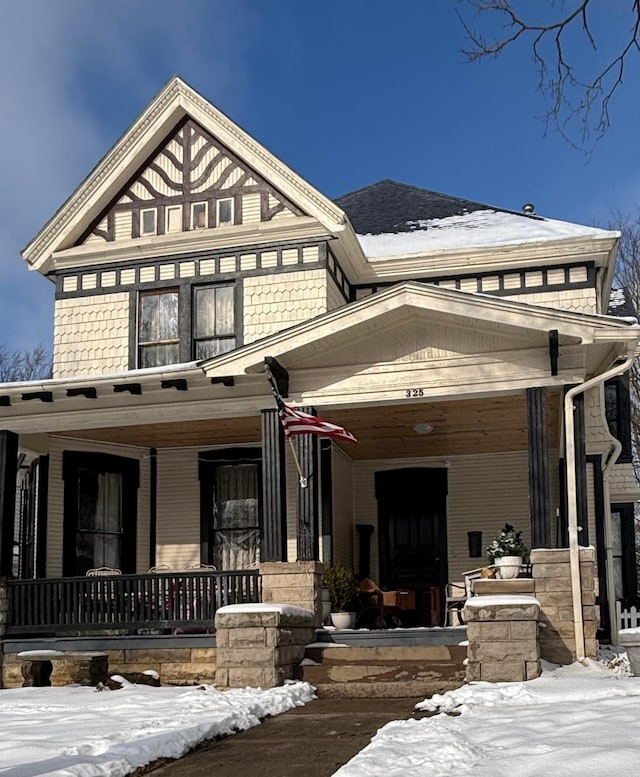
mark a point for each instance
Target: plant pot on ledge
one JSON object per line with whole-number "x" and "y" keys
{"x": 508, "y": 567}
{"x": 343, "y": 620}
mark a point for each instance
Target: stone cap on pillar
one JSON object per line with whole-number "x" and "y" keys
{"x": 250, "y": 615}
{"x": 512, "y": 607}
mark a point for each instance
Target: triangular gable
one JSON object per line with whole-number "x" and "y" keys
{"x": 85, "y": 214}
{"x": 517, "y": 323}
{"x": 193, "y": 181}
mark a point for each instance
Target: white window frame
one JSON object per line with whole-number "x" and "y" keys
{"x": 194, "y": 205}
{"x": 218, "y": 204}
{"x": 144, "y": 233}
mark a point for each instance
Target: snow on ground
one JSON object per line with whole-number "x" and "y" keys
{"x": 78, "y": 732}
{"x": 573, "y": 721}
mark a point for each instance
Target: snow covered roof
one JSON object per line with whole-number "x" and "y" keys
{"x": 394, "y": 219}
{"x": 621, "y": 304}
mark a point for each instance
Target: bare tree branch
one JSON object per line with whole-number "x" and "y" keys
{"x": 572, "y": 96}
{"x": 20, "y": 365}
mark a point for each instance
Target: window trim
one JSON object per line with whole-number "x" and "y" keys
{"x": 231, "y": 202}
{"x": 143, "y": 233}
{"x": 129, "y": 468}
{"x": 168, "y": 209}
{"x": 194, "y": 205}
{"x": 194, "y": 312}
{"x": 173, "y": 341}
{"x": 207, "y": 463}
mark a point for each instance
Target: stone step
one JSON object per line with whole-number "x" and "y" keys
{"x": 383, "y": 672}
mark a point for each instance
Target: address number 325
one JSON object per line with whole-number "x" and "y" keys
{"x": 414, "y": 392}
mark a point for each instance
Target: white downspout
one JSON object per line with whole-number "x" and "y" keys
{"x": 608, "y": 537}
{"x": 572, "y": 505}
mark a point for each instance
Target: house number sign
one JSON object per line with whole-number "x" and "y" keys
{"x": 413, "y": 392}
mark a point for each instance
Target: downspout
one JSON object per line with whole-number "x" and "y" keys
{"x": 614, "y": 454}
{"x": 572, "y": 505}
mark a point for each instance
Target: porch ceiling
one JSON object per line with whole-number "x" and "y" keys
{"x": 487, "y": 425}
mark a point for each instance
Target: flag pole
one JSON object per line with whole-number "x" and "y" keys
{"x": 303, "y": 480}
{"x": 279, "y": 403}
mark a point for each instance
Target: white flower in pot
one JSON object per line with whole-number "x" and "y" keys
{"x": 507, "y": 552}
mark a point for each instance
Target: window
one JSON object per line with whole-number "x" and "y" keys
{"x": 618, "y": 413}
{"x": 100, "y": 506}
{"x": 148, "y": 222}
{"x": 174, "y": 218}
{"x": 225, "y": 212}
{"x": 230, "y": 508}
{"x": 213, "y": 321}
{"x": 199, "y": 215}
{"x": 158, "y": 341}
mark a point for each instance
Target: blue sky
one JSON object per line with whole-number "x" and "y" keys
{"x": 344, "y": 91}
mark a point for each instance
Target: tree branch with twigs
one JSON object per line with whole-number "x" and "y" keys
{"x": 576, "y": 90}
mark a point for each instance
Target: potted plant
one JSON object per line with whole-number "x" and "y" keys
{"x": 507, "y": 552}
{"x": 340, "y": 582}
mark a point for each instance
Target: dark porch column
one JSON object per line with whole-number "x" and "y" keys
{"x": 581, "y": 468}
{"x": 274, "y": 518}
{"x": 539, "y": 502}
{"x": 8, "y": 468}
{"x": 307, "y": 449}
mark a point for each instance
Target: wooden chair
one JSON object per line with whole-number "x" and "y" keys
{"x": 161, "y": 569}
{"x": 455, "y": 598}
{"x": 103, "y": 572}
{"x": 200, "y": 568}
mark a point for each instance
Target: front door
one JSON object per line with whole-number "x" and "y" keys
{"x": 412, "y": 535}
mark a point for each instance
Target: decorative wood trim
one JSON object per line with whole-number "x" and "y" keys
{"x": 539, "y": 500}
{"x": 179, "y": 384}
{"x": 274, "y": 513}
{"x": 130, "y": 388}
{"x": 88, "y": 392}
{"x": 43, "y": 396}
{"x": 153, "y": 505}
{"x": 554, "y": 352}
{"x": 326, "y": 500}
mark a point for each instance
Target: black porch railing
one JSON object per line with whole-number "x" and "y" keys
{"x": 126, "y": 602}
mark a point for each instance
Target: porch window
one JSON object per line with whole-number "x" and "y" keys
{"x": 99, "y": 528}
{"x": 618, "y": 413}
{"x": 213, "y": 321}
{"x": 230, "y": 488}
{"x": 100, "y": 506}
{"x": 158, "y": 341}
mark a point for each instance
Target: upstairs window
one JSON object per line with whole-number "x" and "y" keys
{"x": 199, "y": 215}
{"x": 158, "y": 340}
{"x": 225, "y": 212}
{"x": 148, "y": 224}
{"x": 213, "y": 321}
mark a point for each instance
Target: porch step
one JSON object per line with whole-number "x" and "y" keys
{"x": 393, "y": 671}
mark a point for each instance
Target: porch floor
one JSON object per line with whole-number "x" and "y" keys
{"x": 418, "y": 636}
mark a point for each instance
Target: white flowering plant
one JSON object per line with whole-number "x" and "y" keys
{"x": 507, "y": 542}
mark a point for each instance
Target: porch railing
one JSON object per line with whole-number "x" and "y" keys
{"x": 165, "y": 601}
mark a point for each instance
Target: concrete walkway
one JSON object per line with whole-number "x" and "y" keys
{"x": 314, "y": 741}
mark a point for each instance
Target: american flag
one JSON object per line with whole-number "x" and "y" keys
{"x": 297, "y": 422}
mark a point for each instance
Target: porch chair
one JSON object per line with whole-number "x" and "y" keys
{"x": 457, "y": 594}
{"x": 103, "y": 572}
{"x": 160, "y": 569}
{"x": 200, "y": 568}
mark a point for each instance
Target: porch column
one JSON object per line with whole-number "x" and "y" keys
{"x": 539, "y": 502}
{"x": 581, "y": 469}
{"x": 8, "y": 468}
{"x": 307, "y": 501}
{"x": 274, "y": 538}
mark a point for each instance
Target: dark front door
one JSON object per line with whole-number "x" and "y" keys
{"x": 412, "y": 535}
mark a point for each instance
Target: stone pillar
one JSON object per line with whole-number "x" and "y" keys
{"x": 503, "y": 644}
{"x": 298, "y": 583}
{"x": 552, "y": 578}
{"x": 260, "y": 646}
